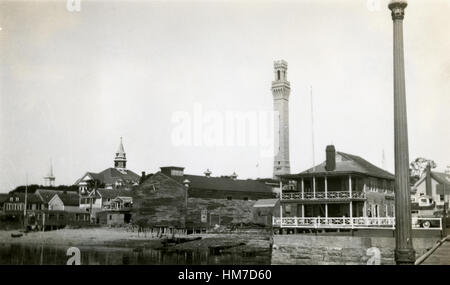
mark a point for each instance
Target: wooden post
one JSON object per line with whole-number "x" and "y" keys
{"x": 350, "y": 195}
{"x": 314, "y": 186}
{"x": 326, "y": 187}
{"x": 404, "y": 252}
{"x": 303, "y": 188}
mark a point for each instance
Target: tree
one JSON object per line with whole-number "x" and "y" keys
{"x": 418, "y": 166}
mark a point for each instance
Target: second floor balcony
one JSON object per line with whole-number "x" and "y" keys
{"x": 329, "y": 195}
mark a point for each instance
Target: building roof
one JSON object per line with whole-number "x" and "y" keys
{"x": 31, "y": 198}
{"x": 346, "y": 164}
{"x": 47, "y": 194}
{"x": 442, "y": 178}
{"x": 69, "y": 198}
{"x": 111, "y": 175}
{"x": 226, "y": 184}
{"x": 125, "y": 199}
{"x": 262, "y": 203}
{"x": 3, "y": 197}
{"x": 114, "y": 193}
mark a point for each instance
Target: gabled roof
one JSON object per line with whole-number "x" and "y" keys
{"x": 111, "y": 175}
{"x": 442, "y": 178}
{"x": 69, "y": 199}
{"x": 226, "y": 184}
{"x": 345, "y": 164}
{"x": 263, "y": 203}
{"x": 47, "y": 195}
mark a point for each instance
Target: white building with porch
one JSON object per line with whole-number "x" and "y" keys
{"x": 345, "y": 191}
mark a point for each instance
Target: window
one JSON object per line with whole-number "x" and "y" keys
{"x": 110, "y": 217}
{"x": 17, "y": 199}
{"x": 442, "y": 197}
{"x": 229, "y": 198}
{"x": 278, "y": 75}
{"x": 288, "y": 209}
{"x": 245, "y": 198}
{"x": 11, "y": 199}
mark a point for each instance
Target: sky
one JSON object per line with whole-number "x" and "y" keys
{"x": 73, "y": 82}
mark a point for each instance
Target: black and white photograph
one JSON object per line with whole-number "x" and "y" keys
{"x": 225, "y": 133}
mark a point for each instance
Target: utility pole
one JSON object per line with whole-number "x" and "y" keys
{"x": 25, "y": 202}
{"x": 404, "y": 252}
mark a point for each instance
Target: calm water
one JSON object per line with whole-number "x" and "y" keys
{"x": 18, "y": 254}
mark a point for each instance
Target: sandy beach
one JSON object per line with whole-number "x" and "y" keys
{"x": 84, "y": 236}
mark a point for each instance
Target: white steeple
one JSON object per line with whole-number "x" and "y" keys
{"x": 120, "y": 161}
{"x": 49, "y": 180}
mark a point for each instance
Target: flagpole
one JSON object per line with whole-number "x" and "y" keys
{"x": 26, "y": 197}
{"x": 312, "y": 129}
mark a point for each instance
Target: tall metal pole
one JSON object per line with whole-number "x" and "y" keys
{"x": 312, "y": 129}
{"x": 404, "y": 252}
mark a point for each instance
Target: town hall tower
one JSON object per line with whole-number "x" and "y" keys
{"x": 280, "y": 91}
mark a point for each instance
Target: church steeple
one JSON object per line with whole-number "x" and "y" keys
{"x": 50, "y": 178}
{"x": 120, "y": 161}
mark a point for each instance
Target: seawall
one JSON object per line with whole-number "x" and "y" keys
{"x": 305, "y": 249}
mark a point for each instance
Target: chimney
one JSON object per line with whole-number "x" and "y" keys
{"x": 207, "y": 173}
{"x": 331, "y": 158}
{"x": 428, "y": 180}
{"x": 143, "y": 174}
{"x": 234, "y": 176}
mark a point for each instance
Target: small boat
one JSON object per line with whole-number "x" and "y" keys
{"x": 16, "y": 235}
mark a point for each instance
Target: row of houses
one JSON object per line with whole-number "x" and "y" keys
{"x": 345, "y": 188}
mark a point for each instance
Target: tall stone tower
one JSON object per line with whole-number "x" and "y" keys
{"x": 280, "y": 90}
{"x": 120, "y": 161}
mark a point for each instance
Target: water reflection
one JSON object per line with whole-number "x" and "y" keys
{"x": 18, "y": 254}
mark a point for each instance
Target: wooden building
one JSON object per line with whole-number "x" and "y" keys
{"x": 434, "y": 186}
{"x": 337, "y": 193}
{"x": 264, "y": 210}
{"x": 171, "y": 198}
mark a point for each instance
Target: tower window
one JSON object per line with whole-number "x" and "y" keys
{"x": 278, "y": 74}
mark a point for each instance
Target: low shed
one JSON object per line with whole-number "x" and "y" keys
{"x": 264, "y": 210}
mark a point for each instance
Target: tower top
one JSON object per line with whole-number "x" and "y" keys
{"x": 280, "y": 71}
{"x": 120, "y": 161}
{"x": 398, "y": 9}
{"x": 280, "y": 64}
{"x": 50, "y": 178}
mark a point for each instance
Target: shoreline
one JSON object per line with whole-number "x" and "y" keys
{"x": 121, "y": 238}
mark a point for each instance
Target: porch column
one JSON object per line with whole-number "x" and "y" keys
{"x": 281, "y": 190}
{"x": 326, "y": 213}
{"x": 303, "y": 188}
{"x": 350, "y": 185}
{"x": 281, "y": 215}
{"x": 303, "y": 210}
{"x": 350, "y": 195}
{"x": 326, "y": 187}
{"x": 365, "y": 201}
{"x": 314, "y": 186}
{"x": 387, "y": 212}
